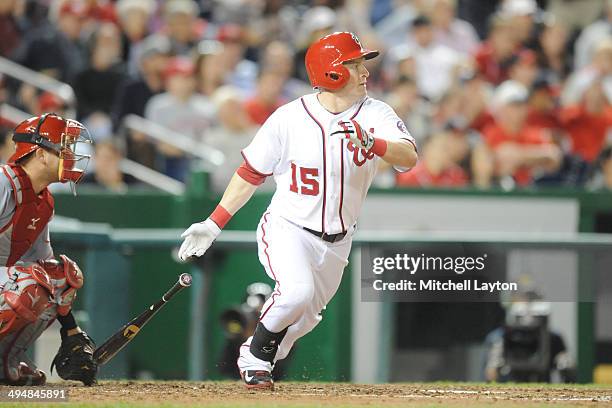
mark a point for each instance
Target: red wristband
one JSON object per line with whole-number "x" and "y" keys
{"x": 379, "y": 147}
{"x": 220, "y": 216}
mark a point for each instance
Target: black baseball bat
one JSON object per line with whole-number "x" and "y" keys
{"x": 123, "y": 336}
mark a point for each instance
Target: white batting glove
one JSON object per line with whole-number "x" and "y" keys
{"x": 198, "y": 238}
{"x": 352, "y": 131}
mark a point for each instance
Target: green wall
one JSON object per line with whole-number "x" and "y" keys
{"x": 161, "y": 348}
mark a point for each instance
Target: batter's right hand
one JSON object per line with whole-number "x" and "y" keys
{"x": 198, "y": 238}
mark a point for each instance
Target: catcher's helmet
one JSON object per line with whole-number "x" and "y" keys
{"x": 325, "y": 57}
{"x": 55, "y": 133}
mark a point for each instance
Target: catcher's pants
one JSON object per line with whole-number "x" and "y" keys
{"x": 307, "y": 271}
{"x": 14, "y": 345}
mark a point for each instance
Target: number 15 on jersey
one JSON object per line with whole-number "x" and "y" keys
{"x": 308, "y": 181}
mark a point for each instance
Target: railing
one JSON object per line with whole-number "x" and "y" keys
{"x": 211, "y": 156}
{"x": 138, "y": 171}
{"x": 152, "y": 177}
{"x": 40, "y": 81}
{"x": 12, "y": 114}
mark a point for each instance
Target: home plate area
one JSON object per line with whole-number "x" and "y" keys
{"x": 309, "y": 394}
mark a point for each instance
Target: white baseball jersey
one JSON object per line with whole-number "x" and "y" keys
{"x": 321, "y": 180}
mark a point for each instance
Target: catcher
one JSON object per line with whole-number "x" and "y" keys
{"x": 35, "y": 288}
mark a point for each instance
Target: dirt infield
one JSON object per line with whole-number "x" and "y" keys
{"x": 292, "y": 394}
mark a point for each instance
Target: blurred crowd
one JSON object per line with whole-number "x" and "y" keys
{"x": 497, "y": 93}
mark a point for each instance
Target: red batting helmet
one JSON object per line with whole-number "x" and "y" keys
{"x": 57, "y": 134}
{"x": 325, "y": 57}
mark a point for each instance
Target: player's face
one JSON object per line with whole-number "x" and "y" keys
{"x": 359, "y": 77}
{"x": 52, "y": 164}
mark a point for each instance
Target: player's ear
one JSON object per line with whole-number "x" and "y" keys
{"x": 45, "y": 156}
{"x": 40, "y": 155}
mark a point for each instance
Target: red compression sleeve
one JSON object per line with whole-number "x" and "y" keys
{"x": 220, "y": 216}
{"x": 250, "y": 175}
{"x": 379, "y": 147}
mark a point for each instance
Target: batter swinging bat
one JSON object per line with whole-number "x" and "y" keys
{"x": 119, "y": 340}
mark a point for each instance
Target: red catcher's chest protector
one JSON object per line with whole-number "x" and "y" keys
{"x": 32, "y": 213}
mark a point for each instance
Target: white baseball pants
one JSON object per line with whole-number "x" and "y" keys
{"x": 307, "y": 272}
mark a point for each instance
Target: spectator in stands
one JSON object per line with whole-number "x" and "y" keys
{"x": 475, "y": 95}
{"x": 277, "y": 23}
{"x": 588, "y": 123}
{"x": 210, "y": 70}
{"x": 410, "y": 107}
{"x": 591, "y": 36}
{"x": 135, "y": 92}
{"x": 436, "y": 64}
{"x": 107, "y": 169}
{"x": 522, "y": 17}
{"x": 478, "y": 13}
{"x": 492, "y": 56}
{"x": 437, "y": 167}
{"x": 56, "y": 50}
{"x": 180, "y": 109}
{"x": 543, "y": 105}
{"x": 447, "y": 109}
{"x": 600, "y": 66}
{"x": 392, "y": 28}
{"x": 134, "y": 18}
{"x": 239, "y": 12}
{"x": 522, "y": 67}
{"x": 182, "y": 26}
{"x": 10, "y": 32}
{"x": 239, "y": 71}
{"x": 48, "y": 102}
{"x": 316, "y": 23}
{"x": 520, "y": 151}
{"x": 278, "y": 58}
{"x": 7, "y": 147}
{"x": 267, "y": 98}
{"x": 96, "y": 86}
{"x": 401, "y": 63}
{"x": 482, "y": 166}
{"x": 230, "y": 135}
{"x": 102, "y": 11}
{"x": 553, "y": 59}
{"x": 459, "y": 141}
{"x": 575, "y": 14}
{"x": 602, "y": 175}
{"x": 449, "y": 30}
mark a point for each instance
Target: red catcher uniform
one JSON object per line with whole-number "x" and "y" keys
{"x": 34, "y": 288}
{"x": 24, "y": 234}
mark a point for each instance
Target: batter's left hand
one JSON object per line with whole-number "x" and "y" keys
{"x": 198, "y": 238}
{"x": 355, "y": 133}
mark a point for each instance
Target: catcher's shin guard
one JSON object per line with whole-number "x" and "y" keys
{"x": 17, "y": 368}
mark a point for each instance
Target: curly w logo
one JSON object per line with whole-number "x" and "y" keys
{"x": 360, "y": 156}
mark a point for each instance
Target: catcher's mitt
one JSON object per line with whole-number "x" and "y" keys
{"x": 74, "y": 359}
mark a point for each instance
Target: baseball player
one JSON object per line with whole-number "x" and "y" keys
{"x": 322, "y": 150}
{"x": 35, "y": 288}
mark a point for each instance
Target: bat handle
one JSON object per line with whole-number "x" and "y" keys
{"x": 184, "y": 281}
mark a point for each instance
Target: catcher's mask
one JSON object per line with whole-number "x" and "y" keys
{"x": 63, "y": 136}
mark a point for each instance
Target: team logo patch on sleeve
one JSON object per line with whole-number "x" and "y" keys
{"x": 402, "y": 127}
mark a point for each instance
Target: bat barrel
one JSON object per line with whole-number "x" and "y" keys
{"x": 121, "y": 338}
